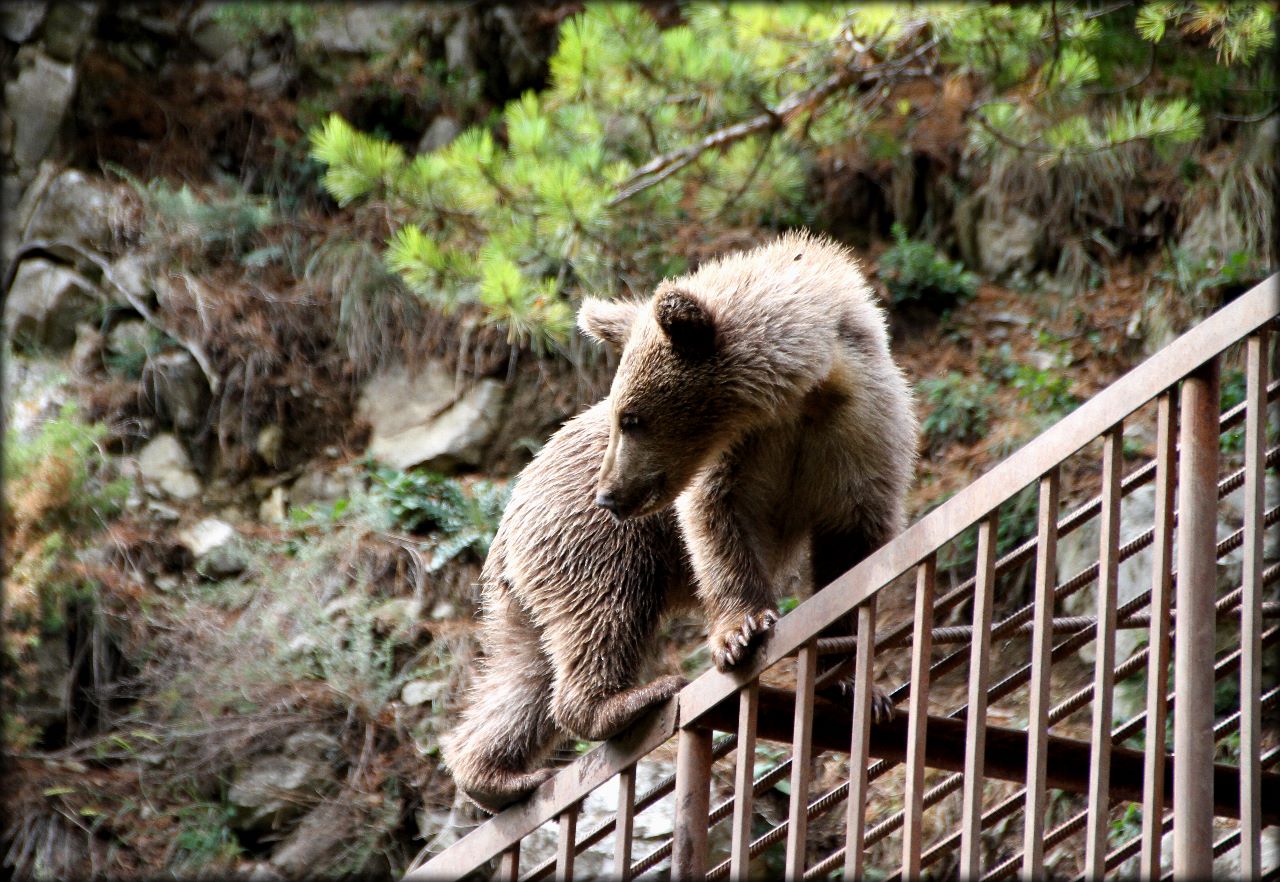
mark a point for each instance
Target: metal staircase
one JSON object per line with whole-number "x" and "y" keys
{"x": 1028, "y": 760}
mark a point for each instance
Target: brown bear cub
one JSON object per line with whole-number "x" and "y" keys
{"x": 758, "y": 395}
{"x": 571, "y": 602}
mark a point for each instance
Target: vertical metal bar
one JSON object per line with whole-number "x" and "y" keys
{"x": 624, "y": 823}
{"x": 744, "y": 780}
{"x": 976, "y": 716}
{"x": 921, "y": 658}
{"x": 1041, "y": 660}
{"x": 1153, "y": 795}
{"x": 864, "y": 680}
{"x": 509, "y": 865}
{"x": 693, "y": 797}
{"x": 1096, "y": 826}
{"x": 801, "y": 760}
{"x": 565, "y": 844}
{"x": 1194, "y": 635}
{"x": 1251, "y": 609}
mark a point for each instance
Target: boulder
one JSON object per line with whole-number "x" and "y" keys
{"x": 268, "y": 792}
{"x": 440, "y": 133}
{"x": 319, "y": 839}
{"x": 37, "y": 100}
{"x": 1008, "y": 244}
{"x": 417, "y": 692}
{"x": 86, "y": 354}
{"x": 179, "y": 389}
{"x": 66, "y": 28}
{"x": 164, "y": 464}
{"x": 46, "y": 303}
{"x": 216, "y": 547}
{"x": 77, "y": 208}
{"x": 366, "y": 28}
{"x": 131, "y": 338}
{"x": 209, "y": 35}
{"x": 424, "y": 420}
{"x": 20, "y": 18}
{"x": 319, "y": 486}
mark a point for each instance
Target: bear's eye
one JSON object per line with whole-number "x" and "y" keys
{"x": 629, "y": 421}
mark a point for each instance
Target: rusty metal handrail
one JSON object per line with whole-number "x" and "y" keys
{"x": 859, "y": 586}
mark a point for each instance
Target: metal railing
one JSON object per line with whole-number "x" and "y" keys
{"x": 1063, "y": 786}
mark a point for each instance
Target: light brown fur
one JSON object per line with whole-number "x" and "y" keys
{"x": 758, "y": 395}
{"x": 571, "y": 605}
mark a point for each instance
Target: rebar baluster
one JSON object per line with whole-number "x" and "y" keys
{"x": 1194, "y": 624}
{"x": 1153, "y": 795}
{"x": 864, "y": 680}
{"x": 976, "y": 716}
{"x": 801, "y": 760}
{"x": 565, "y": 852}
{"x": 1251, "y": 609}
{"x": 744, "y": 780}
{"x": 693, "y": 803}
{"x": 624, "y": 823}
{"x": 917, "y": 721}
{"x": 1041, "y": 662}
{"x": 1096, "y": 827}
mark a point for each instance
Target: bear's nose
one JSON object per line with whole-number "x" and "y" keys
{"x": 606, "y": 501}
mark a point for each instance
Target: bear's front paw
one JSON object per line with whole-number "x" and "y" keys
{"x": 730, "y": 645}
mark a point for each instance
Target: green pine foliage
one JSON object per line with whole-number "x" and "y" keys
{"x": 646, "y": 137}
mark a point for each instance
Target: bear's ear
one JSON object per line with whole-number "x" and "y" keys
{"x": 607, "y": 321}
{"x": 687, "y": 323}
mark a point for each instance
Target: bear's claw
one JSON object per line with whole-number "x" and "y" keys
{"x": 731, "y": 645}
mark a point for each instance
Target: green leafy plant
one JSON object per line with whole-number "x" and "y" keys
{"x": 959, "y": 408}
{"x": 916, "y": 271}
{"x": 465, "y": 516}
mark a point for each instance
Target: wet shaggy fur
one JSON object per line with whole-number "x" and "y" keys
{"x": 571, "y": 604}
{"x": 758, "y": 394}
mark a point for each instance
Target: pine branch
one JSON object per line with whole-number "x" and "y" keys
{"x": 662, "y": 167}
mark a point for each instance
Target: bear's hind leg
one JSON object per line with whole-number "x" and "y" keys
{"x": 507, "y": 729}
{"x": 599, "y": 717}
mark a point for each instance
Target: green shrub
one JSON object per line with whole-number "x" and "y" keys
{"x": 917, "y": 272}
{"x": 464, "y": 517}
{"x": 958, "y": 408}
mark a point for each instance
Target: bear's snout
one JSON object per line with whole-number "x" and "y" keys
{"x": 606, "y": 501}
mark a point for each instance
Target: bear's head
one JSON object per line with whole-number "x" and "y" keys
{"x": 671, "y": 409}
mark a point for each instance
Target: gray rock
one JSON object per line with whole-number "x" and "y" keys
{"x": 268, "y": 792}
{"x": 164, "y": 464}
{"x": 1008, "y": 244}
{"x": 320, "y": 836}
{"x": 440, "y": 133}
{"x": 179, "y": 389}
{"x": 37, "y": 100}
{"x": 133, "y": 273}
{"x": 417, "y": 692}
{"x": 46, "y": 302}
{"x": 397, "y": 614}
{"x": 77, "y": 208}
{"x": 422, "y": 420}
{"x": 67, "y": 27}
{"x": 458, "y": 53}
{"x": 20, "y": 18}
{"x": 209, "y": 35}
{"x": 86, "y": 354}
{"x": 272, "y": 79}
{"x": 367, "y": 28}
{"x": 130, "y": 337}
{"x": 216, "y": 547}
{"x": 319, "y": 486}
